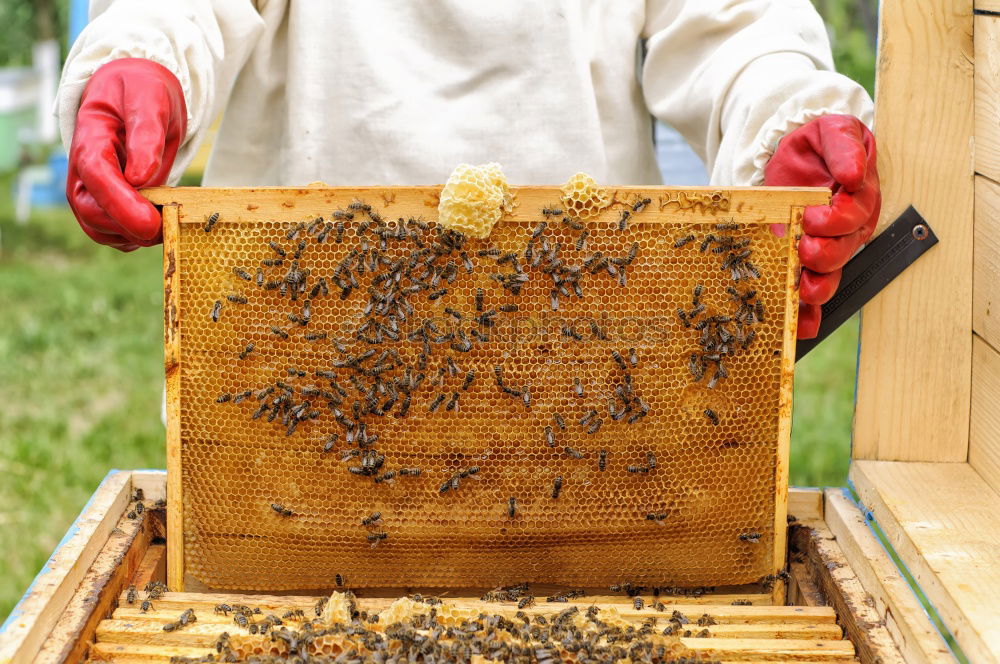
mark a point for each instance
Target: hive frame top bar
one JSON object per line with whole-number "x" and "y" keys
{"x": 708, "y": 201}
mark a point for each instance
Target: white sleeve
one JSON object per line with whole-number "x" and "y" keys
{"x": 204, "y": 43}
{"x": 734, "y": 76}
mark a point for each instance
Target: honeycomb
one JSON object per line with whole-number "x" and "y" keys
{"x": 531, "y": 407}
{"x": 583, "y": 197}
{"x": 474, "y": 199}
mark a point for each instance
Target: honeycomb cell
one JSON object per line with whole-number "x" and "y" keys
{"x": 359, "y": 403}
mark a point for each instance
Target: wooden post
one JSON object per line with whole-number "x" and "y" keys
{"x": 916, "y": 342}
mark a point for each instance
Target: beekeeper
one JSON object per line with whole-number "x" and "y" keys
{"x": 400, "y": 92}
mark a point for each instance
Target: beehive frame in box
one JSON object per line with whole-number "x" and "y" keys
{"x": 579, "y": 402}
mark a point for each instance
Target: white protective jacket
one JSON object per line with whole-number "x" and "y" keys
{"x": 369, "y": 92}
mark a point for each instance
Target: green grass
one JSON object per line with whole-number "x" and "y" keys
{"x": 824, "y": 409}
{"x": 81, "y": 381}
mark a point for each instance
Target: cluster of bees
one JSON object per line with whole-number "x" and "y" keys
{"x": 722, "y": 334}
{"x": 153, "y": 590}
{"x": 246, "y": 617}
{"x": 424, "y": 636}
{"x": 394, "y": 262}
{"x": 137, "y": 505}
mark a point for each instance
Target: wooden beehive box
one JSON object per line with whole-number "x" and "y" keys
{"x": 78, "y": 607}
{"x": 926, "y": 437}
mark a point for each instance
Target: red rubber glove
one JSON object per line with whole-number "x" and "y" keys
{"x": 835, "y": 151}
{"x": 131, "y": 122}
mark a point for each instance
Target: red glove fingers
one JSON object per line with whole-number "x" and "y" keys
{"x": 131, "y": 122}
{"x": 809, "y": 320}
{"x": 841, "y": 216}
{"x": 835, "y": 151}
{"x": 826, "y": 254}
{"x": 816, "y": 287}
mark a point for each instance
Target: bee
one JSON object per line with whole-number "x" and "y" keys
{"x": 637, "y": 469}
{"x": 526, "y": 398}
{"x": 572, "y": 453}
{"x": 246, "y": 351}
{"x": 412, "y": 472}
{"x": 339, "y": 580}
{"x": 276, "y": 248}
{"x": 602, "y": 460}
{"x": 279, "y": 332}
{"x": 130, "y": 595}
{"x": 741, "y": 602}
{"x": 210, "y": 221}
{"x": 145, "y": 606}
{"x": 638, "y": 604}
{"x": 469, "y": 377}
{"x": 650, "y": 460}
{"x": 375, "y": 538}
{"x": 680, "y": 242}
{"x": 727, "y": 227}
{"x": 236, "y": 299}
{"x": 187, "y": 618}
{"x": 216, "y": 310}
{"x": 171, "y": 626}
{"x": 578, "y": 387}
{"x": 595, "y": 425}
{"x": 223, "y": 398}
{"x": 581, "y": 241}
{"x": 240, "y": 620}
{"x": 560, "y": 422}
{"x": 623, "y": 221}
{"x": 281, "y": 509}
{"x": 372, "y": 518}
{"x": 223, "y": 609}
{"x": 453, "y": 402}
{"x": 551, "y": 212}
{"x": 557, "y": 486}
{"x": 512, "y": 509}
{"x": 139, "y": 508}
{"x": 242, "y": 274}
{"x": 706, "y": 620}
{"x": 436, "y": 403}
{"x": 753, "y": 538}
{"x": 132, "y": 514}
{"x": 712, "y": 416}
{"x": 633, "y": 358}
{"x": 437, "y": 294}
{"x": 550, "y": 439}
{"x": 657, "y": 517}
{"x": 572, "y": 223}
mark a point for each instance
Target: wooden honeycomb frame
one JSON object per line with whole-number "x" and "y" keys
{"x": 752, "y": 209}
